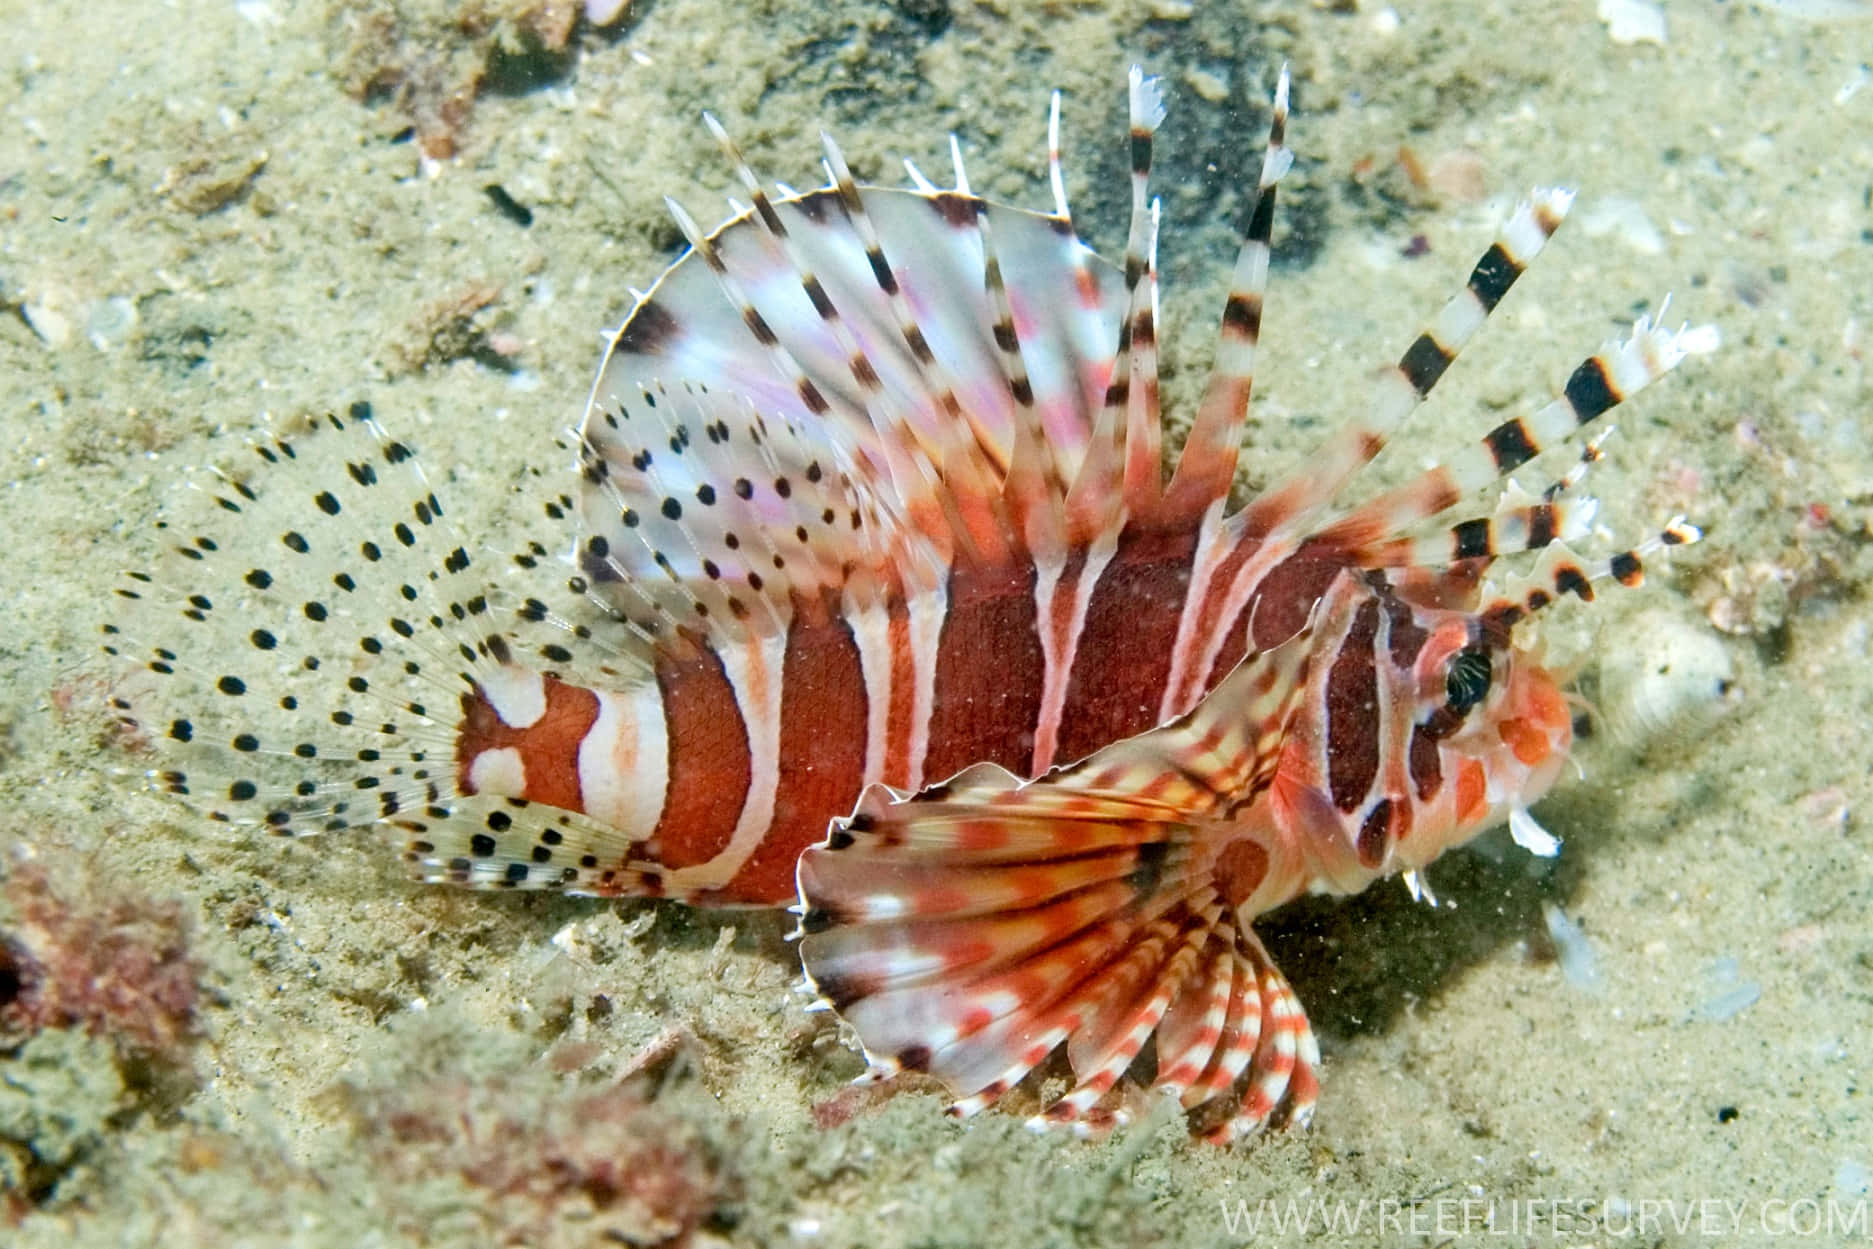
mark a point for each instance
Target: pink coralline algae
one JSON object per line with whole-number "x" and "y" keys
{"x": 112, "y": 962}
{"x": 575, "y": 1168}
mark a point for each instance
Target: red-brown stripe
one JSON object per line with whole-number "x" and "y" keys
{"x": 898, "y": 726}
{"x": 1285, "y": 599}
{"x": 988, "y": 674}
{"x": 1124, "y": 654}
{"x": 1352, "y": 745}
{"x": 822, "y": 756}
{"x": 548, "y": 748}
{"x": 709, "y": 765}
{"x": 1426, "y": 763}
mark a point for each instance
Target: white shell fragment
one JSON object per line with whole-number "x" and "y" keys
{"x": 111, "y": 322}
{"x": 1624, "y": 219}
{"x": 1665, "y": 678}
{"x": 1727, "y": 993}
{"x": 1572, "y": 950}
{"x": 602, "y": 13}
{"x": 1632, "y": 21}
{"x": 51, "y": 311}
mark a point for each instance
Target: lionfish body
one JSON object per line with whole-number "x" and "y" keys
{"x": 871, "y": 504}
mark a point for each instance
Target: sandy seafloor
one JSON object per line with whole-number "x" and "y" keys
{"x": 205, "y": 220}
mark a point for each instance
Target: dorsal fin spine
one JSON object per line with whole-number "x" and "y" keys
{"x": 1056, "y": 175}
{"x": 1144, "y": 471}
{"x": 1098, "y": 497}
{"x": 1207, "y": 466}
{"x": 1031, "y": 486}
{"x": 1295, "y": 501}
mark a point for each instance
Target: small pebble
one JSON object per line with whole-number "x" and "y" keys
{"x": 1731, "y": 994}
{"x": 1632, "y": 21}
{"x": 110, "y": 322}
{"x": 1458, "y": 176}
{"x": 1661, "y": 679}
{"x": 49, "y": 311}
{"x": 1626, "y": 221}
{"x": 1210, "y": 86}
{"x": 605, "y": 12}
{"x": 1579, "y": 967}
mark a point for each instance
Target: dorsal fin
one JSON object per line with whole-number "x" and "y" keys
{"x": 1032, "y": 486}
{"x": 1099, "y": 499}
{"x": 1598, "y": 384}
{"x": 949, "y": 434}
{"x": 953, "y": 352}
{"x": 1293, "y": 502}
{"x": 725, "y": 519}
{"x": 1143, "y": 421}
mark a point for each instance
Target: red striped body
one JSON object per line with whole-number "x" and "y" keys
{"x": 983, "y": 684}
{"x": 1148, "y": 617}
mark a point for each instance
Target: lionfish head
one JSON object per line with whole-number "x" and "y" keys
{"x": 1489, "y": 724}
{"x": 1428, "y": 717}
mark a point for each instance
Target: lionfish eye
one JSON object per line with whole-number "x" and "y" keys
{"x": 1466, "y": 682}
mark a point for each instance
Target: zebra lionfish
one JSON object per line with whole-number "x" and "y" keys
{"x": 870, "y": 503}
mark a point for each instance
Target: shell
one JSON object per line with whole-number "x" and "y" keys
{"x": 1667, "y": 678}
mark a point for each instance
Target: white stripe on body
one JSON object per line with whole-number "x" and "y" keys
{"x": 927, "y": 612}
{"x": 517, "y": 695}
{"x": 1057, "y": 654}
{"x": 499, "y": 772}
{"x": 1180, "y": 690}
{"x": 1198, "y": 654}
{"x": 871, "y": 634}
{"x": 624, "y": 760}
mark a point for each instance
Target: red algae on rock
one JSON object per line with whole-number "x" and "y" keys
{"x": 106, "y": 960}
{"x": 578, "y": 1167}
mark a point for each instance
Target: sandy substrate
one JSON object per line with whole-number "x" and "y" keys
{"x": 215, "y": 215}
